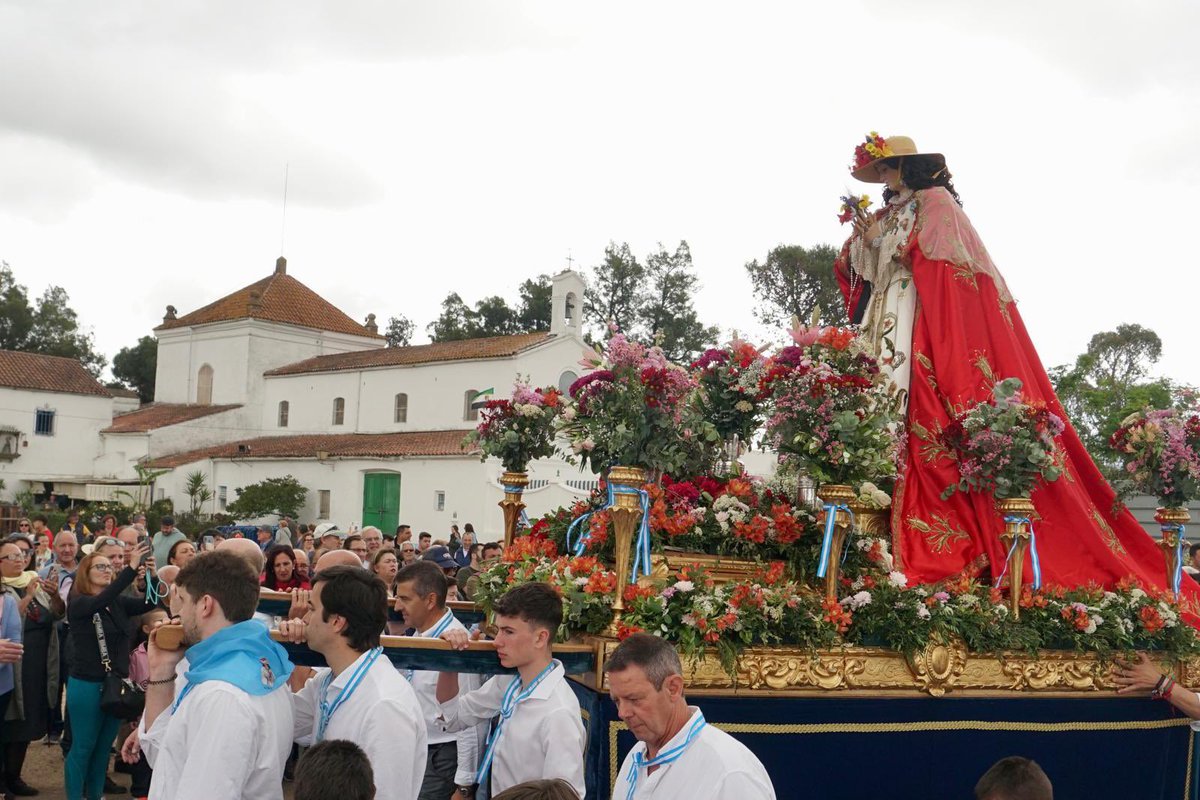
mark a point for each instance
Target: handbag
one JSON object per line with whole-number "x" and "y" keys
{"x": 119, "y": 697}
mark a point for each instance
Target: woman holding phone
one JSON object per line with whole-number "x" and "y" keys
{"x": 97, "y": 594}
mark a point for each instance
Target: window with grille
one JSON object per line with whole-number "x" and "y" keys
{"x": 339, "y": 410}
{"x": 43, "y": 422}
{"x": 222, "y": 497}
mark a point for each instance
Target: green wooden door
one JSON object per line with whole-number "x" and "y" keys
{"x": 381, "y": 501}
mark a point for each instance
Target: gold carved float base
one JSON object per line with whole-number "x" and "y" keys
{"x": 939, "y": 670}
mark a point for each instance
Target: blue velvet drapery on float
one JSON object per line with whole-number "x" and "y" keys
{"x": 853, "y": 748}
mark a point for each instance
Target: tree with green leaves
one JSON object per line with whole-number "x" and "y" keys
{"x": 399, "y": 331}
{"x": 668, "y": 317}
{"x": 493, "y": 316}
{"x": 617, "y": 291}
{"x": 135, "y": 367}
{"x": 1108, "y": 382}
{"x": 197, "y": 490}
{"x": 454, "y": 322}
{"x": 794, "y": 281}
{"x": 50, "y": 327}
{"x": 280, "y": 496}
{"x": 534, "y": 312}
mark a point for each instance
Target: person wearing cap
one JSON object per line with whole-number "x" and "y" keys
{"x": 328, "y": 536}
{"x": 165, "y": 539}
{"x": 440, "y": 555}
{"x": 935, "y": 311}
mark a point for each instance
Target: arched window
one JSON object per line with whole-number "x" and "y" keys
{"x": 470, "y": 414}
{"x": 283, "y": 413}
{"x": 339, "y": 410}
{"x": 204, "y": 381}
{"x": 565, "y": 380}
{"x": 402, "y": 407}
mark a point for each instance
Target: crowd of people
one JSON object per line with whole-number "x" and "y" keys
{"x": 229, "y": 715}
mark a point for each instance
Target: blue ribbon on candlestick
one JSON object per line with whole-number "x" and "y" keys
{"x": 831, "y": 510}
{"x": 1033, "y": 553}
{"x": 641, "y": 547}
{"x": 523, "y": 519}
{"x": 1177, "y": 575}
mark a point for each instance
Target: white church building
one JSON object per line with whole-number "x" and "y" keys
{"x": 273, "y": 380}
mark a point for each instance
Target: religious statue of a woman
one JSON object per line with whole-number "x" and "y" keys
{"x": 918, "y": 279}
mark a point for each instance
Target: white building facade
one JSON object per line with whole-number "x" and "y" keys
{"x": 250, "y": 387}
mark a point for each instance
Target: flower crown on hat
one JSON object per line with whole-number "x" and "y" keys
{"x": 873, "y": 147}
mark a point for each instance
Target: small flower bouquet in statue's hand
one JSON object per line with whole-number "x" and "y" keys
{"x": 1004, "y": 446}
{"x": 519, "y": 430}
{"x": 1161, "y": 452}
{"x": 852, "y": 206}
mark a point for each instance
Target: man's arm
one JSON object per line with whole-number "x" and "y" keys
{"x": 467, "y": 740}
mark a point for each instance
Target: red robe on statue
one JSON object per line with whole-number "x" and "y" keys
{"x": 966, "y": 336}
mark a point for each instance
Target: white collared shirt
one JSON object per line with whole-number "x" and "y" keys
{"x": 544, "y": 738}
{"x": 220, "y": 742}
{"x": 382, "y": 716}
{"x": 470, "y": 740}
{"x": 715, "y": 766}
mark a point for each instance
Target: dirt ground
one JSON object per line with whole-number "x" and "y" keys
{"x": 44, "y": 771}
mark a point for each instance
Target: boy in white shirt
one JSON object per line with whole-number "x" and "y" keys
{"x": 360, "y": 697}
{"x": 539, "y": 733}
{"x": 678, "y": 755}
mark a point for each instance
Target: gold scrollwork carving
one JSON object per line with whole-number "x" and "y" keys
{"x": 939, "y": 666}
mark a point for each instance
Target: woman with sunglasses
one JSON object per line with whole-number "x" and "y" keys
{"x": 37, "y": 673}
{"x": 97, "y": 592}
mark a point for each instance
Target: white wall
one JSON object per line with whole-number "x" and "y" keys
{"x": 69, "y": 453}
{"x": 435, "y": 391}
{"x": 239, "y": 351}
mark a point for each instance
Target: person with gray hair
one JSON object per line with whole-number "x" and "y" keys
{"x": 678, "y": 755}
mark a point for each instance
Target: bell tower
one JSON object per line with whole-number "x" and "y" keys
{"x": 566, "y": 299}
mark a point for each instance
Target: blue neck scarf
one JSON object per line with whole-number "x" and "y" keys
{"x": 242, "y": 655}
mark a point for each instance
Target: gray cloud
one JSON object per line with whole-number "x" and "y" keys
{"x": 166, "y": 96}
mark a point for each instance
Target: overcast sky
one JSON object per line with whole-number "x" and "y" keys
{"x": 450, "y": 145}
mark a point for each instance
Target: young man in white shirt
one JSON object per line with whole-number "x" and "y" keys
{"x": 360, "y": 697}
{"x": 678, "y": 755}
{"x": 227, "y": 731}
{"x": 539, "y": 733}
{"x": 453, "y": 758}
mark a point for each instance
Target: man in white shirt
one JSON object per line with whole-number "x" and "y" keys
{"x": 228, "y": 731}
{"x": 678, "y": 755}
{"x": 453, "y": 758}
{"x": 360, "y": 697}
{"x": 539, "y": 733}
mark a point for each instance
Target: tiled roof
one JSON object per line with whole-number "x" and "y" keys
{"x": 160, "y": 415}
{"x": 37, "y": 372}
{"x": 461, "y": 350}
{"x": 121, "y": 391}
{"x": 337, "y": 445}
{"x": 276, "y": 298}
